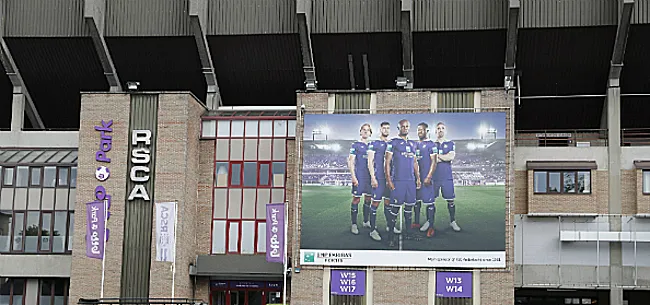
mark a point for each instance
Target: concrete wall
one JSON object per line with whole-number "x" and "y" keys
{"x": 35, "y": 265}
{"x": 50, "y": 139}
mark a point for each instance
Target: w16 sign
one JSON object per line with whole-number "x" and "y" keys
{"x": 454, "y": 284}
{"x": 348, "y": 282}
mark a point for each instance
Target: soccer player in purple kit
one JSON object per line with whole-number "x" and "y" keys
{"x": 443, "y": 179}
{"x": 427, "y": 156}
{"x": 376, "y": 154}
{"x": 403, "y": 180}
{"x": 358, "y": 166}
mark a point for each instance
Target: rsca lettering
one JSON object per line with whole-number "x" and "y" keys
{"x": 140, "y": 158}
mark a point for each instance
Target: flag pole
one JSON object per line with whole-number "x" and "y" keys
{"x": 105, "y": 202}
{"x": 285, "y": 258}
{"x": 174, "y": 259}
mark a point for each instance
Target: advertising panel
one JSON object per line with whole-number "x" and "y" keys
{"x": 411, "y": 190}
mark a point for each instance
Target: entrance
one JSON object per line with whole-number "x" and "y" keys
{"x": 245, "y": 293}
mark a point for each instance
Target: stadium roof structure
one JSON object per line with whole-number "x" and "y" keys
{"x": 560, "y": 56}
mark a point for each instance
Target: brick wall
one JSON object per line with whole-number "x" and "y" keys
{"x": 85, "y": 274}
{"x": 642, "y": 201}
{"x": 628, "y": 192}
{"x": 521, "y": 192}
{"x": 596, "y": 202}
{"x": 204, "y": 204}
{"x": 497, "y": 285}
{"x": 177, "y": 162}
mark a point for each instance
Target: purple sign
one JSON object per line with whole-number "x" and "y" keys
{"x": 105, "y": 142}
{"x": 454, "y": 284}
{"x": 275, "y": 232}
{"x": 348, "y": 282}
{"x": 95, "y": 229}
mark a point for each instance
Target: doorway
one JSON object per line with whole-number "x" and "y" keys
{"x": 245, "y": 293}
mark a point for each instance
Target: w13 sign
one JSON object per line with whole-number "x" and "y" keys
{"x": 454, "y": 284}
{"x": 348, "y": 282}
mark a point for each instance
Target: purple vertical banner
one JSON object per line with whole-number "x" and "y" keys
{"x": 95, "y": 229}
{"x": 275, "y": 232}
{"x": 348, "y": 282}
{"x": 454, "y": 284}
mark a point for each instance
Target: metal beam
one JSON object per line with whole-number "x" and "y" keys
{"x": 511, "y": 43}
{"x": 94, "y": 15}
{"x": 303, "y": 11}
{"x": 20, "y": 93}
{"x": 406, "y": 20}
{"x": 616, "y": 65}
{"x": 199, "y": 21}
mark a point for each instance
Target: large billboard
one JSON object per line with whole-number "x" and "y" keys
{"x": 411, "y": 190}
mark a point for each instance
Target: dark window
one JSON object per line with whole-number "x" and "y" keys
{"x": 54, "y": 291}
{"x": 562, "y": 182}
{"x": 12, "y": 291}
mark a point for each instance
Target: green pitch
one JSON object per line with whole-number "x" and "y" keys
{"x": 480, "y": 212}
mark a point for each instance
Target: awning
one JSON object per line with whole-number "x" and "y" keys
{"x": 236, "y": 267}
{"x": 38, "y": 156}
{"x": 561, "y": 165}
{"x": 642, "y": 164}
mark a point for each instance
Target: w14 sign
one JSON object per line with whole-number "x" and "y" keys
{"x": 348, "y": 282}
{"x": 454, "y": 284}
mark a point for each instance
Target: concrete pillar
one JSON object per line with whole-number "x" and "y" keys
{"x": 18, "y": 112}
{"x": 615, "y": 207}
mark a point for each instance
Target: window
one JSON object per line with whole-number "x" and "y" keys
{"x": 562, "y": 182}
{"x": 37, "y": 204}
{"x": 250, "y": 172}
{"x": 12, "y": 291}
{"x": 646, "y": 182}
{"x": 53, "y": 291}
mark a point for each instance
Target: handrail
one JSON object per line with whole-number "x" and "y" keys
{"x": 561, "y": 137}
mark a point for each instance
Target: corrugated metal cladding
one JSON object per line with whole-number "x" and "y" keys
{"x": 448, "y": 15}
{"x": 352, "y": 103}
{"x": 355, "y": 16}
{"x": 45, "y": 18}
{"x": 545, "y": 13}
{"x": 147, "y": 18}
{"x": 136, "y": 250}
{"x": 460, "y": 101}
{"x": 641, "y": 12}
{"x": 238, "y": 17}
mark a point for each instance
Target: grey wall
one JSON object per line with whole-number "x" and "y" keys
{"x": 598, "y": 154}
{"x": 67, "y": 139}
{"x": 35, "y": 265}
{"x": 629, "y": 154}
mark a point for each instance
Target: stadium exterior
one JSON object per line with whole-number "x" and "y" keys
{"x": 224, "y": 87}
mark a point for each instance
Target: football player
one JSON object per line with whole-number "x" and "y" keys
{"x": 442, "y": 177}
{"x": 404, "y": 179}
{"x": 376, "y": 155}
{"x": 427, "y": 156}
{"x": 358, "y": 166}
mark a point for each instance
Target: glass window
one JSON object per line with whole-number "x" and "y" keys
{"x": 63, "y": 176}
{"x": 60, "y": 231}
{"x": 248, "y": 208}
{"x": 219, "y": 236}
{"x": 250, "y": 174}
{"x": 34, "y": 199}
{"x": 266, "y": 128}
{"x": 233, "y": 237}
{"x": 540, "y": 182}
{"x": 237, "y": 129}
{"x": 248, "y": 237}
{"x": 5, "y": 231}
{"x": 279, "y": 149}
{"x": 45, "y": 231}
{"x": 20, "y": 199}
{"x": 278, "y": 174}
{"x": 264, "y": 150}
{"x": 18, "y": 291}
{"x": 291, "y": 129}
{"x": 70, "y": 231}
{"x": 31, "y": 232}
{"x": 5, "y": 290}
{"x": 263, "y": 197}
{"x": 8, "y": 177}
{"x": 208, "y": 128}
{"x": 280, "y": 128}
{"x": 261, "y": 237}
{"x": 250, "y": 149}
{"x": 554, "y": 182}
{"x": 46, "y": 292}
{"x": 223, "y": 128}
{"x": 235, "y": 174}
{"x": 60, "y": 288}
{"x": 223, "y": 146}
{"x": 277, "y": 195}
{"x": 48, "y": 200}
{"x": 646, "y": 182}
{"x": 251, "y": 128}
{"x": 22, "y": 176}
{"x": 19, "y": 222}
{"x": 234, "y": 203}
{"x": 6, "y": 198}
{"x": 220, "y": 203}
{"x": 35, "y": 179}
{"x": 236, "y": 149}
{"x": 264, "y": 174}
{"x": 49, "y": 176}
{"x": 73, "y": 177}
{"x": 569, "y": 182}
{"x": 221, "y": 174}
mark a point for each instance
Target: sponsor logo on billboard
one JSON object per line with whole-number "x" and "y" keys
{"x": 412, "y": 190}
{"x": 141, "y": 157}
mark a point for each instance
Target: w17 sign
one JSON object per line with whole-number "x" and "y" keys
{"x": 454, "y": 284}
{"x": 348, "y": 282}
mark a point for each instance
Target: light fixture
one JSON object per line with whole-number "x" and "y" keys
{"x": 133, "y": 86}
{"x": 401, "y": 82}
{"x": 310, "y": 85}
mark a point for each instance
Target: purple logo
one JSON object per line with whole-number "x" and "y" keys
{"x": 348, "y": 282}
{"x": 275, "y": 232}
{"x": 102, "y": 173}
{"x": 454, "y": 284}
{"x": 105, "y": 142}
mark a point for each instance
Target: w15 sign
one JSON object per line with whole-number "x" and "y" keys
{"x": 454, "y": 284}
{"x": 348, "y": 282}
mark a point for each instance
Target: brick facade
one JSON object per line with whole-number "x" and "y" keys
{"x": 497, "y": 286}
{"x": 521, "y": 192}
{"x": 204, "y": 205}
{"x": 642, "y": 201}
{"x": 86, "y": 273}
{"x": 596, "y": 202}
{"x": 628, "y": 192}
